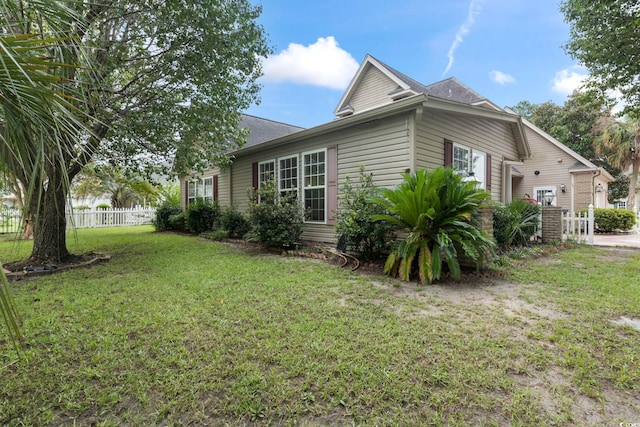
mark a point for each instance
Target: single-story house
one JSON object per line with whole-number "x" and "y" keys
{"x": 574, "y": 181}
{"x": 385, "y": 121}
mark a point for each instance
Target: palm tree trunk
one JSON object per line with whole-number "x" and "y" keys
{"x": 633, "y": 184}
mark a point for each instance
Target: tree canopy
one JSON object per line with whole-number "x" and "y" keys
{"x": 605, "y": 38}
{"x": 160, "y": 85}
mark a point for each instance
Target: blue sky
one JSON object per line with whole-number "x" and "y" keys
{"x": 506, "y": 50}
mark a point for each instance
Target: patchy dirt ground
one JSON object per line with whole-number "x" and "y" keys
{"x": 517, "y": 301}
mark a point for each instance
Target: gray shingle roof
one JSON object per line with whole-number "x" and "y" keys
{"x": 262, "y": 130}
{"x": 451, "y": 89}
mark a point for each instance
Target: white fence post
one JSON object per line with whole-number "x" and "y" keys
{"x": 591, "y": 225}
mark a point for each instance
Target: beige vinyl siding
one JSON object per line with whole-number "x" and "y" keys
{"x": 224, "y": 188}
{"x": 490, "y": 136}
{"x": 583, "y": 190}
{"x": 553, "y": 164}
{"x": 382, "y": 146}
{"x": 183, "y": 193}
{"x": 373, "y": 91}
{"x": 383, "y": 150}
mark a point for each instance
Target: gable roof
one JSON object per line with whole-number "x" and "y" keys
{"x": 262, "y": 130}
{"x": 450, "y": 89}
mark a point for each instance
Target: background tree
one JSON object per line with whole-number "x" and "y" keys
{"x": 605, "y": 38}
{"x": 619, "y": 142}
{"x": 124, "y": 190}
{"x": 163, "y": 84}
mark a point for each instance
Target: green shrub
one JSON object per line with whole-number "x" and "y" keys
{"x": 216, "y": 235}
{"x": 82, "y": 208}
{"x": 163, "y": 214}
{"x": 355, "y": 230}
{"x": 610, "y": 220}
{"x": 178, "y": 221}
{"x": 276, "y": 219}
{"x": 515, "y": 223}
{"x": 234, "y": 222}
{"x": 103, "y": 206}
{"x": 201, "y": 215}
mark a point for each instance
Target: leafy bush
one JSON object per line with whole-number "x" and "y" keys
{"x": 515, "y": 223}
{"x": 216, "y": 235}
{"x": 609, "y": 220}
{"x": 103, "y": 206}
{"x": 355, "y": 229}
{"x": 178, "y": 221}
{"x": 440, "y": 212}
{"x": 201, "y": 216}
{"x": 277, "y": 219}
{"x": 163, "y": 214}
{"x": 234, "y": 222}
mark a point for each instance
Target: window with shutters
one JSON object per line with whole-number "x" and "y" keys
{"x": 201, "y": 189}
{"x": 469, "y": 162}
{"x": 307, "y": 176}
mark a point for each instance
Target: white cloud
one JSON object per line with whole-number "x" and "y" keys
{"x": 569, "y": 79}
{"x": 501, "y": 78}
{"x": 322, "y": 63}
{"x": 474, "y": 9}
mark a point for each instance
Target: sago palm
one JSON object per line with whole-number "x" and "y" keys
{"x": 439, "y": 211}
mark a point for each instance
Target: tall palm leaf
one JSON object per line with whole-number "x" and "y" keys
{"x": 438, "y": 210}
{"x": 619, "y": 142}
{"x": 36, "y": 109}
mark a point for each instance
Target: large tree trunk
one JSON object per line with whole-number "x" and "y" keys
{"x": 50, "y": 225}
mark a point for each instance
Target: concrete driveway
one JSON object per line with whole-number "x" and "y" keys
{"x": 631, "y": 240}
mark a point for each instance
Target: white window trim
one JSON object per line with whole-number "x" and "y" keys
{"x": 279, "y": 170}
{"x": 304, "y": 187}
{"x": 546, "y": 188}
{"x": 453, "y": 154}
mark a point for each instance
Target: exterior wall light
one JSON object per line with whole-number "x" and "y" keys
{"x": 563, "y": 188}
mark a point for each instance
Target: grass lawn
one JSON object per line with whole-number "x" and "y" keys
{"x": 178, "y": 330}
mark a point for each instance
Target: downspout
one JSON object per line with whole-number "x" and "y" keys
{"x": 596, "y": 174}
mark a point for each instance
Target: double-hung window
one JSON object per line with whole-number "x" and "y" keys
{"x": 288, "y": 176}
{"x": 266, "y": 172}
{"x": 470, "y": 162}
{"x": 201, "y": 189}
{"x": 314, "y": 185}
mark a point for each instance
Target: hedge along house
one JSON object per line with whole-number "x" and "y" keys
{"x": 574, "y": 181}
{"x": 387, "y": 122}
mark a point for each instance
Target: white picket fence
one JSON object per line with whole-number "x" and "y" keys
{"x": 11, "y": 219}
{"x": 110, "y": 217}
{"x": 579, "y": 226}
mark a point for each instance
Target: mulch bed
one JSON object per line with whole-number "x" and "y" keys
{"x": 19, "y": 270}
